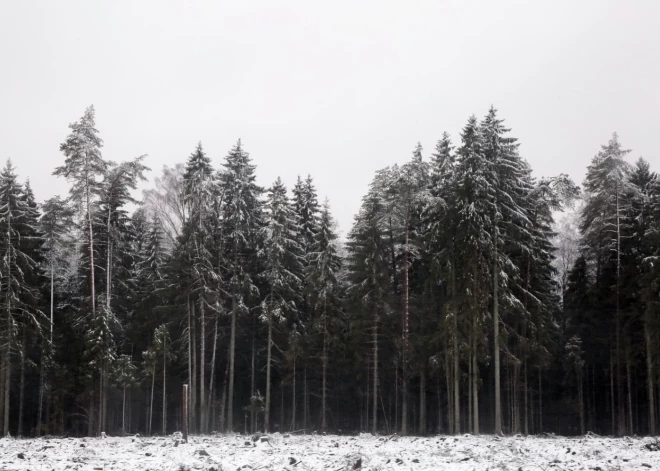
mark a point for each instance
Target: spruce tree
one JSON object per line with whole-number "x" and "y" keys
{"x": 283, "y": 268}
{"x": 18, "y": 294}
{"x": 322, "y": 272}
{"x": 243, "y": 223}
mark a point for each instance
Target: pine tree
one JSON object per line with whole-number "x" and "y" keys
{"x": 84, "y": 168}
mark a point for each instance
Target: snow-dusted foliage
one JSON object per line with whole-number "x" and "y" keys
{"x": 456, "y": 304}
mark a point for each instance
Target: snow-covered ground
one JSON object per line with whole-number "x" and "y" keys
{"x": 333, "y": 453}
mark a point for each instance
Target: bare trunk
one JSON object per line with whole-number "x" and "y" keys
{"x": 496, "y": 340}
{"x": 252, "y": 376}
{"x": 581, "y": 401}
{"x": 629, "y": 378}
{"x": 649, "y": 376}
{"x": 324, "y": 424}
{"x": 619, "y": 379}
{"x": 123, "y": 410}
{"x": 151, "y": 402}
{"x": 406, "y": 314}
{"x": 202, "y": 366}
{"x": 212, "y": 379}
{"x": 375, "y": 366}
{"x": 293, "y": 395}
{"x": 614, "y": 429}
{"x": 305, "y": 400}
{"x": 41, "y": 393}
{"x": 475, "y": 391}
{"x": 190, "y": 356}
{"x": 21, "y": 397}
{"x": 422, "y": 400}
{"x": 232, "y": 350}
{"x": 457, "y": 378}
{"x": 223, "y": 400}
{"x": 540, "y": 401}
{"x": 164, "y": 386}
{"x": 268, "y": 371}
{"x": 194, "y": 416}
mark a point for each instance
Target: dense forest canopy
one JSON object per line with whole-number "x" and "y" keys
{"x": 457, "y": 303}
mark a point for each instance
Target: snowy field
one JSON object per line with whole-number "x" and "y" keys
{"x": 333, "y": 453}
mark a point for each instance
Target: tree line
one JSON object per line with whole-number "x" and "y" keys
{"x": 456, "y": 303}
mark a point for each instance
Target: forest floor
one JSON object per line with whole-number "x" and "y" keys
{"x": 330, "y": 452}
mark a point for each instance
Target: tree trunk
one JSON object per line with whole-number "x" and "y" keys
{"x": 614, "y": 428}
{"x": 190, "y": 358}
{"x": 41, "y": 392}
{"x": 212, "y": 378}
{"x": 164, "y": 386}
{"x": 475, "y": 389}
{"x": 406, "y": 315}
{"x": 649, "y": 375}
{"x": 629, "y": 381}
{"x": 496, "y": 340}
{"x": 540, "y": 401}
{"x": 223, "y": 400}
{"x": 293, "y": 395}
{"x": 194, "y": 424}
{"x": 90, "y": 234}
{"x": 268, "y": 370}
{"x": 202, "y": 365}
{"x": 457, "y": 378}
{"x": 324, "y": 424}
{"x": 123, "y": 410}
{"x": 422, "y": 400}
{"x": 232, "y": 350}
{"x": 21, "y": 399}
{"x": 252, "y": 376}
{"x": 151, "y": 402}
{"x": 581, "y": 401}
{"x": 619, "y": 379}
{"x": 375, "y": 366}
{"x": 305, "y": 400}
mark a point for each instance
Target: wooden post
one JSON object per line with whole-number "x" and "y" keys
{"x": 185, "y": 413}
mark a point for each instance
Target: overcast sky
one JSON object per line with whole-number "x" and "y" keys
{"x": 337, "y": 89}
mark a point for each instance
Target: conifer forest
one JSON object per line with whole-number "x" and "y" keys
{"x": 470, "y": 295}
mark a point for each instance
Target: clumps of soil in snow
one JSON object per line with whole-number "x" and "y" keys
{"x": 330, "y": 452}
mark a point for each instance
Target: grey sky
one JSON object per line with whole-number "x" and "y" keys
{"x": 337, "y": 89}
